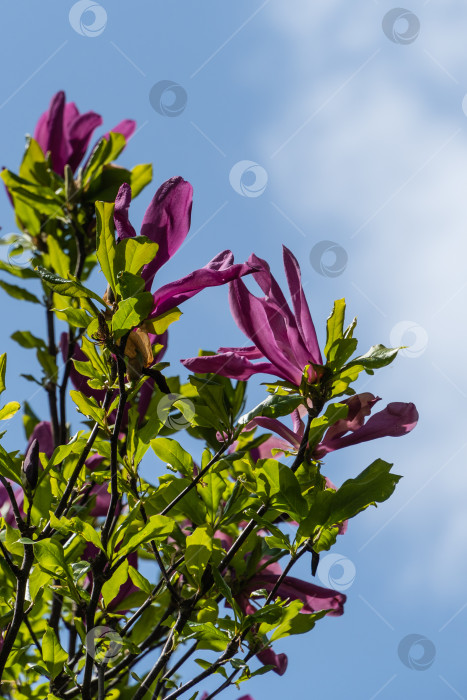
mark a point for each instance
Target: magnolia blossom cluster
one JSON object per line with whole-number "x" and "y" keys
{"x": 282, "y": 343}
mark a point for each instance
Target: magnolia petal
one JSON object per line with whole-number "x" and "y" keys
{"x": 396, "y": 419}
{"x": 43, "y": 434}
{"x": 79, "y": 135}
{"x": 126, "y": 127}
{"x": 300, "y": 305}
{"x": 218, "y": 271}
{"x": 167, "y": 222}
{"x": 227, "y": 365}
{"x": 122, "y": 204}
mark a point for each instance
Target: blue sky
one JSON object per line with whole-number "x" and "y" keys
{"x": 363, "y": 142}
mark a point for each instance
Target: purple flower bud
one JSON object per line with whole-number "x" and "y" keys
{"x": 30, "y": 469}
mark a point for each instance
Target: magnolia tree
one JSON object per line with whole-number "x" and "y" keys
{"x": 110, "y": 583}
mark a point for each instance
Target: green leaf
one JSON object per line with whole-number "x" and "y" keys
{"x": 106, "y": 248}
{"x": 190, "y": 505}
{"x": 160, "y": 324}
{"x": 340, "y": 345}
{"x": 157, "y": 527}
{"x": 131, "y": 312}
{"x": 273, "y": 407}
{"x": 279, "y": 486}
{"x": 111, "y": 588}
{"x": 140, "y": 581}
{"x": 296, "y": 622}
{"x": 68, "y": 288}
{"x": 78, "y": 318}
{"x": 94, "y": 357}
{"x": 141, "y": 175}
{"x": 41, "y": 199}
{"x": 52, "y": 653}
{"x": 211, "y": 489}
{"x": 48, "y": 364}
{"x": 171, "y": 452}
{"x": 81, "y": 527}
{"x": 376, "y": 357}
{"x": 335, "y": 326}
{"x": 105, "y": 151}
{"x": 27, "y": 340}
{"x": 198, "y": 553}
{"x": 33, "y": 166}
{"x": 224, "y": 589}
{"x": 59, "y": 260}
{"x": 133, "y": 253}
{"x": 18, "y": 292}
{"x": 104, "y": 187}
{"x": 74, "y": 446}
{"x": 88, "y": 406}
{"x": 38, "y": 579}
{"x": 9, "y": 410}
{"x": 24, "y": 273}
{"x": 129, "y": 285}
{"x": 374, "y": 485}
{"x": 342, "y": 381}
{"x": 2, "y": 372}
{"x": 8, "y": 467}
{"x": 333, "y": 413}
{"x": 51, "y": 557}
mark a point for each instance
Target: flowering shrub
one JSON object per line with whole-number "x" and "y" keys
{"x": 80, "y": 606}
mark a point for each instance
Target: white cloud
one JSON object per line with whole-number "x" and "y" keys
{"x": 389, "y": 148}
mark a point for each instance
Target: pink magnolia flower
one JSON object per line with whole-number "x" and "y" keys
{"x": 42, "y": 432}
{"x": 396, "y": 419}
{"x": 283, "y": 340}
{"x": 167, "y": 222}
{"x": 6, "y": 511}
{"x": 65, "y": 133}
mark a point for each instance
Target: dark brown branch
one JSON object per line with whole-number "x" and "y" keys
{"x": 18, "y": 614}
{"x": 51, "y": 384}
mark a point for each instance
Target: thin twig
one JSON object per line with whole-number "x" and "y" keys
{"x": 197, "y": 478}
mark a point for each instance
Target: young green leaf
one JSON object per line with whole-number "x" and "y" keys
{"x": 133, "y": 253}
{"x": 106, "y": 247}
{"x": 68, "y": 288}
{"x": 9, "y": 468}
{"x": 88, "y": 406}
{"x": 131, "y": 312}
{"x": 279, "y": 486}
{"x": 81, "y": 527}
{"x": 9, "y": 410}
{"x": 78, "y": 318}
{"x": 211, "y": 489}
{"x": 157, "y": 527}
{"x": 335, "y": 326}
{"x": 52, "y": 653}
{"x": 2, "y": 372}
{"x": 160, "y": 324}
{"x": 198, "y": 553}
{"x": 59, "y": 260}
{"x": 111, "y": 588}
{"x": 141, "y": 175}
{"x": 376, "y": 357}
{"x": 274, "y": 406}
{"x": 18, "y": 292}
{"x": 171, "y": 452}
{"x": 27, "y": 340}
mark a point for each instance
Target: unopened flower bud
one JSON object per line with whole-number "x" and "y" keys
{"x": 30, "y": 468}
